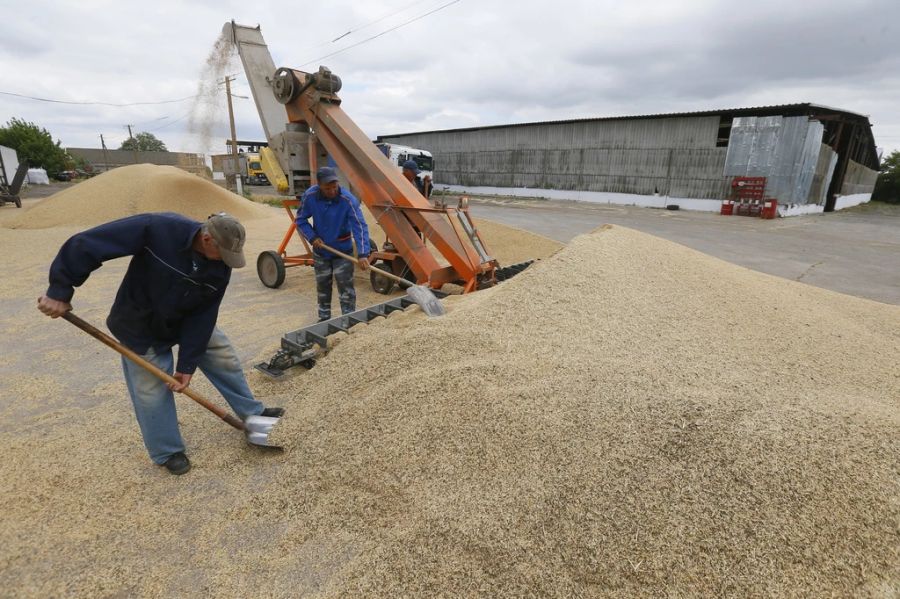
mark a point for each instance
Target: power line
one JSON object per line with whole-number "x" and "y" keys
{"x": 379, "y": 20}
{"x": 369, "y": 39}
{"x": 152, "y": 121}
{"x": 181, "y": 118}
{"x": 98, "y": 103}
{"x": 369, "y": 24}
{"x": 360, "y": 28}
{"x": 173, "y": 101}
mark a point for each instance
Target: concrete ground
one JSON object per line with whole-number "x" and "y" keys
{"x": 854, "y": 251}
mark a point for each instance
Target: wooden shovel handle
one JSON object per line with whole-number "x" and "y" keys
{"x": 389, "y": 275}
{"x": 152, "y": 368}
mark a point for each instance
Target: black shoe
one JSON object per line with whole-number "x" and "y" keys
{"x": 178, "y": 463}
{"x": 273, "y": 412}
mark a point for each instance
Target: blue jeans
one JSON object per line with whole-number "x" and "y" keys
{"x": 154, "y": 403}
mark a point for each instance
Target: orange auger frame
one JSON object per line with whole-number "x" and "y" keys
{"x": 408, "y": 218}
{"x": 303, "y": 259}
{"x": 391, "y": 259}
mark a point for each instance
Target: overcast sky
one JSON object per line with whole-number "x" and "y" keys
{"x": 474, "y": 62}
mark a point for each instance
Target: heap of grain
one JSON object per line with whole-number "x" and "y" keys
{"x": 626, "y": 418}
{"x": 132, "y": 190}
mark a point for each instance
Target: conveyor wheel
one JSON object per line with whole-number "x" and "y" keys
{"x": 270, "y": 268}
{"x": 380, "y": 283}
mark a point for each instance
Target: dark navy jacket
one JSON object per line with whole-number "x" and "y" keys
{"x": 420, "y": 185}
{"x": 170, "y": 294}
{"x": 334, "y": 221}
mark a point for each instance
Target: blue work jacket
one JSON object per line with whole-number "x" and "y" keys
{"x": 334, "y": 221}
{"x": 170, "y": 294}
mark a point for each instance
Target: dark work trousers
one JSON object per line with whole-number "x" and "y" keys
{"x": 341, "y": 270}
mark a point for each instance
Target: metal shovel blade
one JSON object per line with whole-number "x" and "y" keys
{"x": 257, "y": 429}
{"x": 429, "y": 303}
{"x": 423, "y": 296}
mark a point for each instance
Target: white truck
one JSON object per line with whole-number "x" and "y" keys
{"x": 398, "y": 154}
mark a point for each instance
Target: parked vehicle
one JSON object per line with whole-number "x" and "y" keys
{"x": 398, "y": 154}
{"x": 66, "y": 175}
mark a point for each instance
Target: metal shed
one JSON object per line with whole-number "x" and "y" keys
{"x": 812, "y": 156}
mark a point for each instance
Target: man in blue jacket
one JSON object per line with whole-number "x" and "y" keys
{"x": 170, "y": 296}
{"x": 337, "y": 221}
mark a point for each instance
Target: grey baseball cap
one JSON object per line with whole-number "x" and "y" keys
{"x": 229, "y": 235}
{"x": 326, "y": 174}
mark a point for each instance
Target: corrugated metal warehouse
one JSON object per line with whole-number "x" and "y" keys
{"x": 815, "y": 158}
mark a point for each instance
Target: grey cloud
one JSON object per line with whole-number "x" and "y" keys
{"x": 476, "y": 63}
{"x": 20, "y": 42}
{"x": 850, "y": 46}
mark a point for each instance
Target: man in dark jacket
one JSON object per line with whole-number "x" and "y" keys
{"x": 170, "y": 296}
{"x": 337, "y": 221}
{"x": 411, "y": 172}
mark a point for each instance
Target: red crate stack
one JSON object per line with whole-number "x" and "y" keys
{"x": 747, "y": 195}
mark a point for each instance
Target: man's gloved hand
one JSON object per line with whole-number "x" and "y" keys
{"x": 183, "y": 379}
{"x": 317, "y": 242}
{"x": 53, "y": 308}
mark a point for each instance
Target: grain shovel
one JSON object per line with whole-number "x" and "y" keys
{"x": 256, "y": 428}
{"x": 423, "y": 296}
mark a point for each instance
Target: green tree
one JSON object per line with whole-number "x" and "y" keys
{"x": 34, "y": 144}
{"x": 144, "y": 142}
{"x": 887, "y": 187}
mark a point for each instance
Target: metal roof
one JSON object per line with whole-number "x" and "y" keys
{"x": 805, "y": 108}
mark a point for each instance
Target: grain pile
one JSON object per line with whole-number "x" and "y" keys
{"x": 132, "y": 190}
{"x": 613, "y": 422}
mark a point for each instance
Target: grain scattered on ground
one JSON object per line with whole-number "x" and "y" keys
{"x": 626, "y": 418}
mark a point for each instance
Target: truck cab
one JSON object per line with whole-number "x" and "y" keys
{"x": 255, "y": 173}
{"x": 398, "y": 154}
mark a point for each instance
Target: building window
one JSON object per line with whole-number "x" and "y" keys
{"x": 724, "y": 131}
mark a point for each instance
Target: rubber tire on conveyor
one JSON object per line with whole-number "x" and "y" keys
{"x": 270, "y": 269}
{"x": 380, "y": 283}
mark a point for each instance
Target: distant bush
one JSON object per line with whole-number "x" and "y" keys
{"x": 887, "y": 186}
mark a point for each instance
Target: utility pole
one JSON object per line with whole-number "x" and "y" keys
{"x": 234, "y": 147}
{"x": 133, "y": 145}
{"x": 105, "y": 154}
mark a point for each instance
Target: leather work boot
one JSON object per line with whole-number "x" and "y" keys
{"x": 178, "y": 463}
